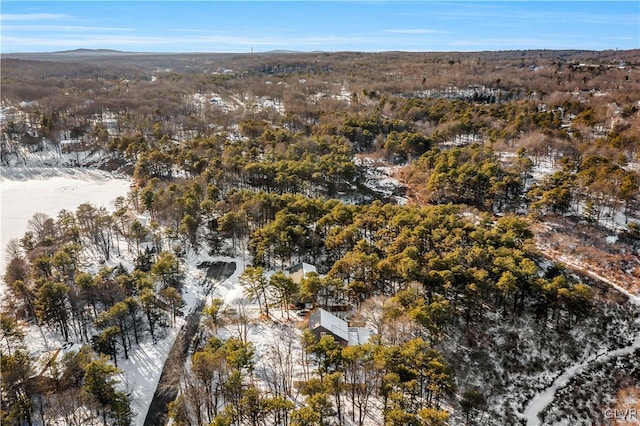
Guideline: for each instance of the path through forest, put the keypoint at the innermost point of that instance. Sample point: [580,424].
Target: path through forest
[167,389]
[539,402]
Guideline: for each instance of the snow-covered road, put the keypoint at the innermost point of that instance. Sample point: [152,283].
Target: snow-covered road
[539,402]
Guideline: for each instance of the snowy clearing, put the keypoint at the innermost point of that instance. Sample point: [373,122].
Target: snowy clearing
[379,177]
[26,191]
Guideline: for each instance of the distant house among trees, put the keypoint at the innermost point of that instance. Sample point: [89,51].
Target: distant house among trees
[32,143]
[68,146]
[298,272]
[323,323]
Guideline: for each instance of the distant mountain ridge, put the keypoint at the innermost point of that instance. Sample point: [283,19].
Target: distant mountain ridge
[92,51]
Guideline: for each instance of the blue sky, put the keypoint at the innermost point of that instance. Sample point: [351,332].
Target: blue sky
[240,26]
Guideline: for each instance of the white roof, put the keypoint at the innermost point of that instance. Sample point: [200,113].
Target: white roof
[306,268]
[330,322]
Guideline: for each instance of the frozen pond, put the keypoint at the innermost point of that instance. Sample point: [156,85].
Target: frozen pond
[25,191]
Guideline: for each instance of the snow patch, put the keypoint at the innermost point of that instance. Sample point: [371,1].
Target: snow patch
[612,239]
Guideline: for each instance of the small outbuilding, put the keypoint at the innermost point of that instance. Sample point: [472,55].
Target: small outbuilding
[298,272]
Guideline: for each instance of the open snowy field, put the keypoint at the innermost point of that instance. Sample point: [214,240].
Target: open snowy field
[25,191]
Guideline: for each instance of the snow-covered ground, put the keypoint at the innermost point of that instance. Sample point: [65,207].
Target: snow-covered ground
[379,177]
[143,368]
[543,399]
[26,191]
[540,401]
[234,102]
[462,140]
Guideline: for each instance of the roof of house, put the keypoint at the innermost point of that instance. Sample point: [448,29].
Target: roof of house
[299,271]
[330,322]
[304,267]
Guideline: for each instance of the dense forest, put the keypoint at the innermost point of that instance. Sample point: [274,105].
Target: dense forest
[267,158]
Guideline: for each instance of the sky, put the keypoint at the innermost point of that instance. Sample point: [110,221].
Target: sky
[369,26]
